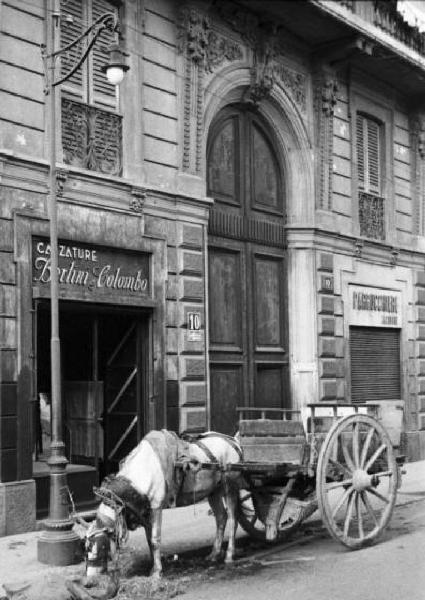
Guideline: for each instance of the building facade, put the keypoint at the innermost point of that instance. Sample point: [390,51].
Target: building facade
[242,222]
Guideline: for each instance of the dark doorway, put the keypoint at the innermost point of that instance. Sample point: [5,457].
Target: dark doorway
[104,363]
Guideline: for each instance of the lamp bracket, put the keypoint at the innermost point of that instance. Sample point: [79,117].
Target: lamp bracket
[106,21]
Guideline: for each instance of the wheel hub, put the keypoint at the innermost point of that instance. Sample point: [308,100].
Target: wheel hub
[361,480]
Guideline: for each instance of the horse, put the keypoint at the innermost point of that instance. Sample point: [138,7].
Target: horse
[164,471]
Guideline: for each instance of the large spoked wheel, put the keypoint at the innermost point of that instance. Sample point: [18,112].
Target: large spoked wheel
[292,516]
[356,480]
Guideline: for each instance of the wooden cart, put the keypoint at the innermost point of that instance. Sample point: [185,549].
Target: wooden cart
[342,464]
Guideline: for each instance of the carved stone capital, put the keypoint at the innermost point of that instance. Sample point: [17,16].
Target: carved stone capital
[193,34]
[138,198]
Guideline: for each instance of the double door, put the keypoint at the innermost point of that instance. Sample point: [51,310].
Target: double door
[247,269]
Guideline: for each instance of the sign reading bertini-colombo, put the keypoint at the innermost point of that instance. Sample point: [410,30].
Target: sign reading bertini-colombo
[374,307]
[90,272]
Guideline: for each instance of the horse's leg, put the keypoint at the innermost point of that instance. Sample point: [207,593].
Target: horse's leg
[156,542]
[148,533]
[231,502]
[216,502]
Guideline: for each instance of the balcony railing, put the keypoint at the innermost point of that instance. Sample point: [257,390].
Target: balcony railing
[384,14]
[371,216]
[91,137]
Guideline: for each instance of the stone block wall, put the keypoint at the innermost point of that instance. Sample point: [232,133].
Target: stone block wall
[186,359]
[330,333]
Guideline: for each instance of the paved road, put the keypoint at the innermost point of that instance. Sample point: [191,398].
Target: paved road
[316,568]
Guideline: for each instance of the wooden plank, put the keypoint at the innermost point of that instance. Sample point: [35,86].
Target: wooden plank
[267,439]
[259,427]
[272,453]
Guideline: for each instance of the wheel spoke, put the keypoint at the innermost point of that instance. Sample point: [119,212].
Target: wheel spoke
[341,501]
[340,466]
[349,514]
[379,495]
[337,484]
[356,453]
[369,507]
[347,456]
[359,516]
[366,446]
[384,474]
[375,456]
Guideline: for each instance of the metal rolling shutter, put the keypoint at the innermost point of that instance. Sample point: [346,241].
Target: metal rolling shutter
[375,364]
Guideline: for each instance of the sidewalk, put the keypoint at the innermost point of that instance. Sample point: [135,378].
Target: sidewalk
[183,529]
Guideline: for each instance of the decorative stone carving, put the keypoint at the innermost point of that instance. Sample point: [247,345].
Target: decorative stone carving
[193,32]
[264,38]
[329,95]
[91,137]
[420,132]
[394,256]
[358,248]
[220,49]
[325,98]
[137,201]
[61,177]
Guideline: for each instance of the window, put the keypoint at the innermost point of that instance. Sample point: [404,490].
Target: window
[89,82]
[369,154]
[91,125]
[369,172]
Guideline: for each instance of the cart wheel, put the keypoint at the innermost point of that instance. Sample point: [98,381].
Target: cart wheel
[290,520]
[356,480]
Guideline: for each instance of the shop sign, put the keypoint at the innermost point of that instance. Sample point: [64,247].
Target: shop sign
[194,333]
[374,307]
[91,271]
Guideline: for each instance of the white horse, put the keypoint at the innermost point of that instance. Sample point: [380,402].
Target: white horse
[149,481]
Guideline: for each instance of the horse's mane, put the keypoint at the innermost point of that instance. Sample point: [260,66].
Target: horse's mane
[136,503]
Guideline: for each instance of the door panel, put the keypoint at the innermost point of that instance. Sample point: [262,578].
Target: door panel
[225,298]
[122,395]
[268,275]
[83,401]
[226,392]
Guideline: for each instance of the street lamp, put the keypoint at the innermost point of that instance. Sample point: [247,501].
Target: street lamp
[58,544]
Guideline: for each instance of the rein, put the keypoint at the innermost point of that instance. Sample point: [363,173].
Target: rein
[119,530]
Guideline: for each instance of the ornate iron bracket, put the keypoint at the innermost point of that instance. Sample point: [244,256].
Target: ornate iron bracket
[61,177]
[106,21]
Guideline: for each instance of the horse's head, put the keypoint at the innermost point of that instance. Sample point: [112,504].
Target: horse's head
[98,546]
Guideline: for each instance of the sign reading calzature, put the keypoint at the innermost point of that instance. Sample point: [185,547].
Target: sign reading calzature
[374,307]
[91,271]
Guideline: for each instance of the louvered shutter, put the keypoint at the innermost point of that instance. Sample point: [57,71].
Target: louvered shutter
[373,158]
[368,154]
[103,91]
[360,152]
[375,364]
[71,29]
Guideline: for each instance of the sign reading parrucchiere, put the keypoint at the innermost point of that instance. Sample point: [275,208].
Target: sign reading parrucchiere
[93,272]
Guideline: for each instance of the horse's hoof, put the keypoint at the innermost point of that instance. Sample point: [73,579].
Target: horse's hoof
[155,575]
[228,560]
[213,557]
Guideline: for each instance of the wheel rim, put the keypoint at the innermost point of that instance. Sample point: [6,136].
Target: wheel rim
[356,480]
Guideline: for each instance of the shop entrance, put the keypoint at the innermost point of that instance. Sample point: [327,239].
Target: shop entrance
[104,359]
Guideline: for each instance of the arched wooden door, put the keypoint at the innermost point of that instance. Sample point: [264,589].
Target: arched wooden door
[247,273]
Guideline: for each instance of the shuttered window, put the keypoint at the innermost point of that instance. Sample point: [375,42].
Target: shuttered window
[369,151]
[375,364]
[88,84]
